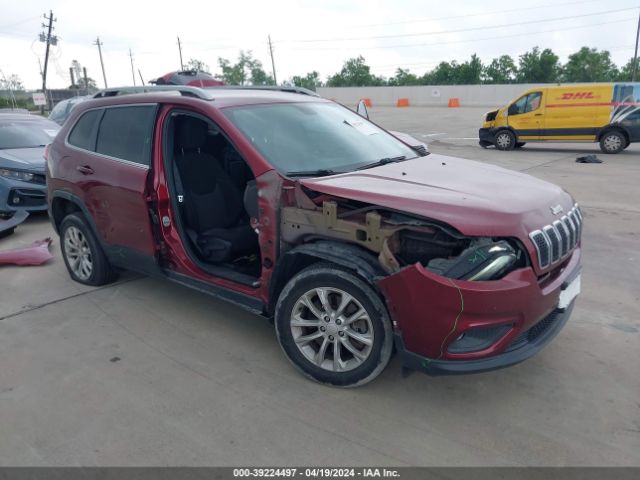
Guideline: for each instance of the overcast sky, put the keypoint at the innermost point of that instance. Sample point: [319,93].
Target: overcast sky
[307,35]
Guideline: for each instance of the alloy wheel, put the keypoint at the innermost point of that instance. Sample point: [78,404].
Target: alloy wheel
[78,253]
[332,329]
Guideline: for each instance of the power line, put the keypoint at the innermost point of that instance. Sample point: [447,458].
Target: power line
[468,40]
[18,23]
[479,14]
[471,29]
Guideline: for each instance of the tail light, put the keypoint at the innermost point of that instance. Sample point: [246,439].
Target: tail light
[46,153]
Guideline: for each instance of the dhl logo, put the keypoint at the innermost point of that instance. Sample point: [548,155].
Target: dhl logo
[576,96]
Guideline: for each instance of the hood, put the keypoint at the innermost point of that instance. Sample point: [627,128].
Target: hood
[473,197]
[23,158]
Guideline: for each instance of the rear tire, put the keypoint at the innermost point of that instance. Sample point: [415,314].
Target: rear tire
[613,141]
[82,254]
[505,140]
[333,326]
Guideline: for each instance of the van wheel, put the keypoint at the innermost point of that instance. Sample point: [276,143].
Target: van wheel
[505,140]
[613,141]
[333,326]
[82,254]
[520,144]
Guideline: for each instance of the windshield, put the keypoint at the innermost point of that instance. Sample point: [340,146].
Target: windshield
[296,137]
[26,134]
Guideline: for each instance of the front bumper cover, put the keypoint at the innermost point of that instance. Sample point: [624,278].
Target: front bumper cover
[430,312]
[557,320]
[486,136]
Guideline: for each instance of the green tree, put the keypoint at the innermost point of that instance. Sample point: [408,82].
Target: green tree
[538,66]
[197,65]
[500,70]
[311,81]
[403,78]
[355,73]
[626,72]
[469,73]
[444,74]
[12,82]
[589,65]
[246,71]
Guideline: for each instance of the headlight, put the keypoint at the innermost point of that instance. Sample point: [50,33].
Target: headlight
[483,260]
[16,175]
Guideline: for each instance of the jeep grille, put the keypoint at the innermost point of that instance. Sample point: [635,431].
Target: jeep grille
[556,241]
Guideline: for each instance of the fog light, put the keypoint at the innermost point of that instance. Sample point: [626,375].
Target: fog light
[476,339]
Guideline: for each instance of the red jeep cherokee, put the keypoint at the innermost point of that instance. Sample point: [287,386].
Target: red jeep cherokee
[300,210]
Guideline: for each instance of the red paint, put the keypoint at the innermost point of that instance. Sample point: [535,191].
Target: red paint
[477,199]
[474,198]
[36,254]
[425,306]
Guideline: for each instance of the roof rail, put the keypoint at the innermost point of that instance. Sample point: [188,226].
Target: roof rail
[184,90]
[277,88]
[204,93]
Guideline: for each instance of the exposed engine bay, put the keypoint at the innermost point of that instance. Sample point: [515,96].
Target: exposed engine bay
[400,240]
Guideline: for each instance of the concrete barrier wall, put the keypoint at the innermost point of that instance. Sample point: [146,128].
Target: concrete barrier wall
[428,95]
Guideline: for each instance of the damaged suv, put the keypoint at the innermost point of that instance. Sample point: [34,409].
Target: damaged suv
[355,243]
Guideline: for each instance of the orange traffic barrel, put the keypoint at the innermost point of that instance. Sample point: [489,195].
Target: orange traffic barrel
[402,102]
[454,102]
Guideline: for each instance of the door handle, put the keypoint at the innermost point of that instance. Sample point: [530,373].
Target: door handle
[85,169]
[538,114]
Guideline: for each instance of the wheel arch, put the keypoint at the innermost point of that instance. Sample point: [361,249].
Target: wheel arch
[355,259]
[62,204]
[611,127]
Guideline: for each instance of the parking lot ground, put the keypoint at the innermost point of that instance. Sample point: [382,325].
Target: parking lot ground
[144,372]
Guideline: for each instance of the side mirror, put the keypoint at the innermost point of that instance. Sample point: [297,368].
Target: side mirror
[362,109]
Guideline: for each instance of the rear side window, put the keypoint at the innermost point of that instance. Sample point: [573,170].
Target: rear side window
[83,133]
[126,133]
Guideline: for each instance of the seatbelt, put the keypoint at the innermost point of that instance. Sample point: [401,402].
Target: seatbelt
[177,180]
[178,183]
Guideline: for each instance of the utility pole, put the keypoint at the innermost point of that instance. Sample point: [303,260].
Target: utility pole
[49,40]
[73,82]
[141,79]
[635,56]
[273,63]
[86,80]
[132,70]
[104,75]
[180,50]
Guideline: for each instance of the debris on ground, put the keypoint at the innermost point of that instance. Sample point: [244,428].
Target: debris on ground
[588,159]
[8,225]
[35,254]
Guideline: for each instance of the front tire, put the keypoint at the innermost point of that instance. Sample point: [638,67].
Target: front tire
[613,141]
[505,140]
[82,254]
[333,326]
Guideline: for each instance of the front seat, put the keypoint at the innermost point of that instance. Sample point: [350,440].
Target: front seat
[212,205]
